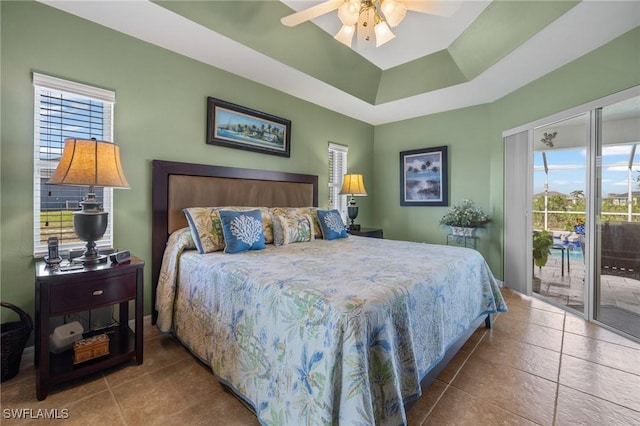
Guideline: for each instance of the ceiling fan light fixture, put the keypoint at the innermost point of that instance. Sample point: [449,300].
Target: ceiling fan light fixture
[345,35]
[394,11]
[383,33]
[348,12]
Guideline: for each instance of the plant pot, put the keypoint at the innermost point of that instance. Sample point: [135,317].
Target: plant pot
[463,232]
[535,284]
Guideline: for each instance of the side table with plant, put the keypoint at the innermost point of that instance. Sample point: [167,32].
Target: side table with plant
[465,218]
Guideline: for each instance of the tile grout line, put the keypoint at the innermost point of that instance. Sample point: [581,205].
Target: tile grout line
[580,390]
[474,349]
[586,336]
[426,418]
[448,385]
[518,369]
[555,403]
[602,365]
[631,345]
[113,396]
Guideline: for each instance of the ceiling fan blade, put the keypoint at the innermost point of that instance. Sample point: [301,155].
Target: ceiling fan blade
[311,13]
[433,7]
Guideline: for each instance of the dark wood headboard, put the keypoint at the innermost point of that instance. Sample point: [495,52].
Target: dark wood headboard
[179,185]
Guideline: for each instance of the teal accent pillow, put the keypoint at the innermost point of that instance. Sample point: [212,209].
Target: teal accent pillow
[331,224]
[242,230]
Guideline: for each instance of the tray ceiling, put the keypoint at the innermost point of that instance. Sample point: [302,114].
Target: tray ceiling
[479,54]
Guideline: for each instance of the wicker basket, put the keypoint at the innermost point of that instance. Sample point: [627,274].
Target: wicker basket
[14,336]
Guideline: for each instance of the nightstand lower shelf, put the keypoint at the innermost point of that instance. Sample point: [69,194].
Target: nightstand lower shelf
[122,347]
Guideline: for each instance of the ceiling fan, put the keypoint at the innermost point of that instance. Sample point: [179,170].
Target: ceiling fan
[369,17]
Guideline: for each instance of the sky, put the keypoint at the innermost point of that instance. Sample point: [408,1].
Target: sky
[567,169]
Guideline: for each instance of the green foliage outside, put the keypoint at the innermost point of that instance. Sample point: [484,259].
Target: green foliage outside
[58,223]
[56,216]
[566,212]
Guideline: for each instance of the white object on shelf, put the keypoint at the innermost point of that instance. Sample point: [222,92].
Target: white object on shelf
[64,336]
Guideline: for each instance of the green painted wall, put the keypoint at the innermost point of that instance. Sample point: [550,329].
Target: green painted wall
[160,113]
[466,133]
[474,137]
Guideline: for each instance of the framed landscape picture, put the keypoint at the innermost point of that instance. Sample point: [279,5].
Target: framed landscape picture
[424,177]
[235,126]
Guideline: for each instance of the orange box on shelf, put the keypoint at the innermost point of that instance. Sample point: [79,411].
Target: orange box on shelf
[90,348]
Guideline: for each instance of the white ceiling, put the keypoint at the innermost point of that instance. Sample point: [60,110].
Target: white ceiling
[582,29]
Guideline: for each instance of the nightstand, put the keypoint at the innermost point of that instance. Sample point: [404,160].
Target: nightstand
[59,293]
[366,232]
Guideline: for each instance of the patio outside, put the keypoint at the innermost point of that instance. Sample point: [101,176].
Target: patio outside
[563,282]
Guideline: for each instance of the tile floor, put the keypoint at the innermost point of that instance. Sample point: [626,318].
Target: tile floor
[538,365]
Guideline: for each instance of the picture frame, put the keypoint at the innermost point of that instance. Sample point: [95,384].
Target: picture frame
[424,177]
[235,126]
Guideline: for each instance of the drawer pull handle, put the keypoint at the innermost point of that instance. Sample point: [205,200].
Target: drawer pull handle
[98,292]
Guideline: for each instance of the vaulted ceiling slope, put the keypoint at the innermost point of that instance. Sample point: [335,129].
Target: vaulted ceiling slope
[482,52]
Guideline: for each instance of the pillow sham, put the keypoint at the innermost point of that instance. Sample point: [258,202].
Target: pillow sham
[242,230]
[292,229]
[297,212]
[206,228]
[331,224]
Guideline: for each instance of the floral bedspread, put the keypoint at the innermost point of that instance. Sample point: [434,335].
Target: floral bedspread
[324,332]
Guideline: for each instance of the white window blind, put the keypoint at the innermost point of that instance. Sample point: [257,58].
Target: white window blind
[65,109]
[337,170]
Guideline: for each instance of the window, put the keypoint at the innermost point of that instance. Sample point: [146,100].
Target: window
[65,109]
[337,170]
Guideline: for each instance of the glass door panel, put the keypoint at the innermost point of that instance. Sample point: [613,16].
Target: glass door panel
[617,275]
[559,196]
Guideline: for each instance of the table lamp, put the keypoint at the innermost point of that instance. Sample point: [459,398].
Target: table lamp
[89,162]
[353,185]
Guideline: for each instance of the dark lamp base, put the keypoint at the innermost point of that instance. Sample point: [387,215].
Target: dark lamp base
[90,226]
[352,212]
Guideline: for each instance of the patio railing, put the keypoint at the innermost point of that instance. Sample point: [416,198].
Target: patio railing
[564,221]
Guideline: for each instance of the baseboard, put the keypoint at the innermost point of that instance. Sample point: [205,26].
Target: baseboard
[27,357]
[29,351]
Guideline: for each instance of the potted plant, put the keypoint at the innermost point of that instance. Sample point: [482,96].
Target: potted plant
[542,243]
[464,218]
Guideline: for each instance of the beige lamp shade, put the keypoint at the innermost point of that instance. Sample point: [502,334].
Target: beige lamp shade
[90,162]
[353,185]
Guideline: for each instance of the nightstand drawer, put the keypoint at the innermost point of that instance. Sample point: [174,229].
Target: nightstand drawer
[92,293]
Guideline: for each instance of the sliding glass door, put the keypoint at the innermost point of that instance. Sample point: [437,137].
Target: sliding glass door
[559,205]
[574,239]
[617,230]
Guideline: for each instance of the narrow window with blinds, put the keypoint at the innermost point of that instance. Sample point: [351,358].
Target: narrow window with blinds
[65,109]
[337,170]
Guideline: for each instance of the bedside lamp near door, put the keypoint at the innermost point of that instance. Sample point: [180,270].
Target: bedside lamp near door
[353,185]
[88,162]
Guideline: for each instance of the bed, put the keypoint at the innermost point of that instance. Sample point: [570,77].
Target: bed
[344,331]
